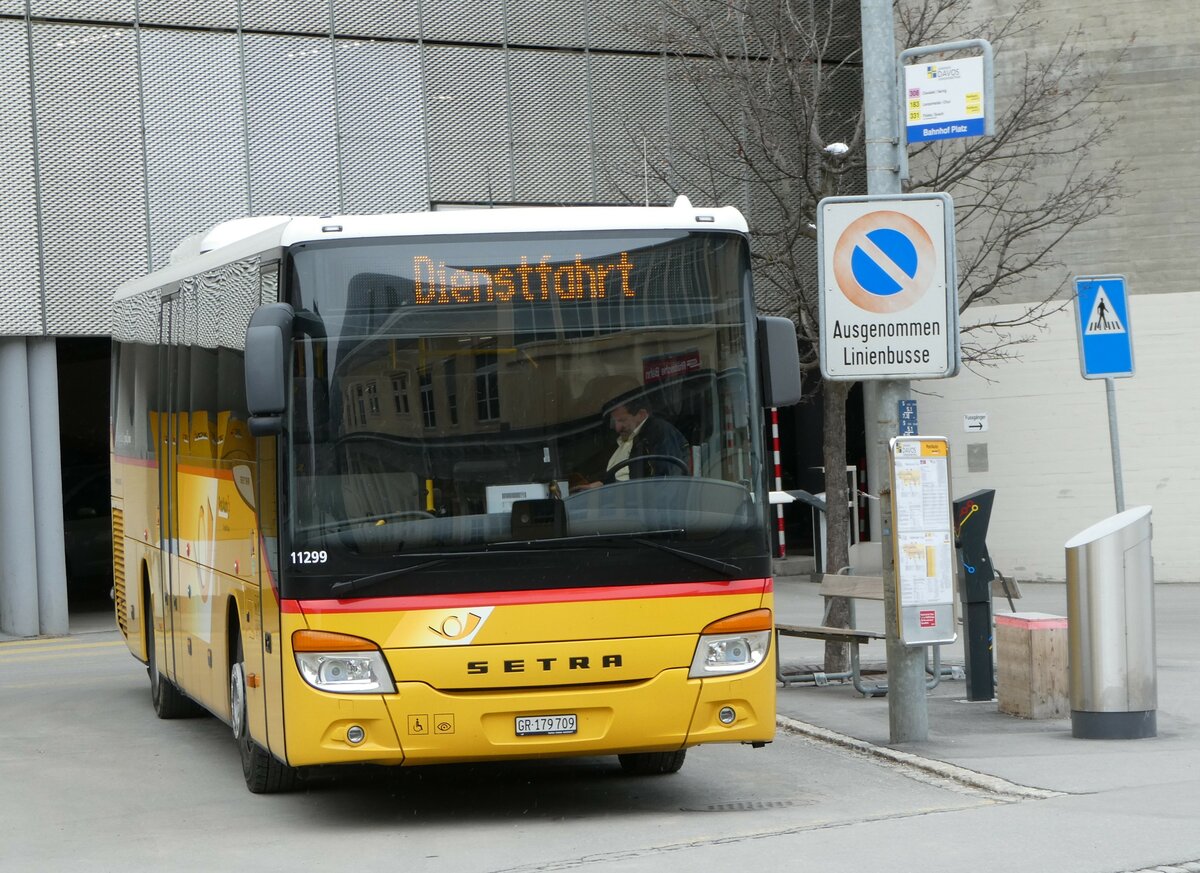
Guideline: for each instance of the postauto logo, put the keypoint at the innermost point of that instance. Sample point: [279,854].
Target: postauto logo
[932,71]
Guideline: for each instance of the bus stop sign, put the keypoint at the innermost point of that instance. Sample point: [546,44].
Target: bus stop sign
[1102,324]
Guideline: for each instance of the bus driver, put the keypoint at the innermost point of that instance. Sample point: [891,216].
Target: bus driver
[647,445]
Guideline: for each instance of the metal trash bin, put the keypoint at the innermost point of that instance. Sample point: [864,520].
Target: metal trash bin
[1110,628]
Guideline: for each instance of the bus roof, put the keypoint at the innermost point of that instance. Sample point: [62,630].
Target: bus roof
[243,237]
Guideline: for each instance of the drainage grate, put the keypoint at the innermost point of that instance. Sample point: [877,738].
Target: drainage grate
[747,806]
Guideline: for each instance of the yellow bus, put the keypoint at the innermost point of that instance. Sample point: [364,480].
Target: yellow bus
[369,505]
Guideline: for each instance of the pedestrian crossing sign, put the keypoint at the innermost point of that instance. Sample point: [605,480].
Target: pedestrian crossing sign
[1102,321]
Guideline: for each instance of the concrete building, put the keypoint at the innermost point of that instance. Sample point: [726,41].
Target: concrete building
[1046,448]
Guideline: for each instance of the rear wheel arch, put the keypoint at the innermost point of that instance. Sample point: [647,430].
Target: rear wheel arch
[233,631]
[147,611]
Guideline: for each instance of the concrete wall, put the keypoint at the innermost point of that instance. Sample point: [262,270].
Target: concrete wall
[1153,235]
[1047,444]
[1047,441]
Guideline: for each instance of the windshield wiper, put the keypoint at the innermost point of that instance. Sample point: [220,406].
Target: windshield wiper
[349,586]
[382,519]
[640,537]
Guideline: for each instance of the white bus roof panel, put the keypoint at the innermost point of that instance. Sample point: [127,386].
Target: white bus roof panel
[516,220]
[239,238]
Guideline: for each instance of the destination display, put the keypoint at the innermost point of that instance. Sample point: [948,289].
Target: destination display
[436,283]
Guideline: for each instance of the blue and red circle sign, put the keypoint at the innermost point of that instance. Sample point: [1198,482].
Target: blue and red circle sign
[883,261]
[888,298]
[893,246]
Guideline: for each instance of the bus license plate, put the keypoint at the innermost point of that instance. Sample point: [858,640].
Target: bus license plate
[544,725]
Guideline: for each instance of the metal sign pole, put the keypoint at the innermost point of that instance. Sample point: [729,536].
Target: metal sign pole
[908,711]
[1110,389]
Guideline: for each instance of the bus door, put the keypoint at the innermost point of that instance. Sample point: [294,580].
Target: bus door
[173,653]
[265,653]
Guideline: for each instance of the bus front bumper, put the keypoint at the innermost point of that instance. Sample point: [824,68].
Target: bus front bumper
[421,725]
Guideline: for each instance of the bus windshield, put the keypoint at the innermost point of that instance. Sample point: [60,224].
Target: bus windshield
[483,413]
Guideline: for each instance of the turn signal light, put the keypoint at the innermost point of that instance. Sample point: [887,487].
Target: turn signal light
[327,641]
[754,620]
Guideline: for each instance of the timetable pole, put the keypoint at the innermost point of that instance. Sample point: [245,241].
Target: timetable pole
[908,711]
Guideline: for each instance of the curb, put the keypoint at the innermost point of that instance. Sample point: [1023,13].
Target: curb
[924,768]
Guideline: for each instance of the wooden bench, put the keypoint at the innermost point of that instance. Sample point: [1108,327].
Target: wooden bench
[862,588]
[855,588]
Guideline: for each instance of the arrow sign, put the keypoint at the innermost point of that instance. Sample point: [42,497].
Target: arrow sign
[975,422]
[1102,322]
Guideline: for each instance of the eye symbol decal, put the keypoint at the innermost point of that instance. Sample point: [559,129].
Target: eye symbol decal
[454,628]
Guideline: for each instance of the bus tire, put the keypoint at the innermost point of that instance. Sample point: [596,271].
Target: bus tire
[652,763]
[168,700]
[264,773]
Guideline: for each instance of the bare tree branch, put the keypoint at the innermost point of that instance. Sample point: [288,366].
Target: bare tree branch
[777,125]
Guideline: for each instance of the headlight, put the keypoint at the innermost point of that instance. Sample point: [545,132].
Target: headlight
[733,645]
[340,663]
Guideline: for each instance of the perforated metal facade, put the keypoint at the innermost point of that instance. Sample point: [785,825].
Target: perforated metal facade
[195,152]
[21,312]
[126,126]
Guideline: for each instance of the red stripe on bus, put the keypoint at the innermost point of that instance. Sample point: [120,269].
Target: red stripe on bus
[514,598]
[205,472]
[205,468]
[131,461]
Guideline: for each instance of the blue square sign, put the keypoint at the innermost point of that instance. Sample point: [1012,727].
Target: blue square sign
[1102,323]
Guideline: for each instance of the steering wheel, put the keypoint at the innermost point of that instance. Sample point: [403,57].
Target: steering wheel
[611,476]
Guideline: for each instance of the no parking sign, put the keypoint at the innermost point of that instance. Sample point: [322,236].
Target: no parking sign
[888,298]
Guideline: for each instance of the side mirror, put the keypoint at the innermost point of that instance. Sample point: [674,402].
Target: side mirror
[778,361]
[268,339]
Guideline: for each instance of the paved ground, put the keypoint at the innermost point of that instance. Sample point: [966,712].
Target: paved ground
[975,735]
[983,742]
[1030,796]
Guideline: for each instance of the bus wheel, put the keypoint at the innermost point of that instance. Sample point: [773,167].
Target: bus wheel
[652,763]
[168,700]
[264,773]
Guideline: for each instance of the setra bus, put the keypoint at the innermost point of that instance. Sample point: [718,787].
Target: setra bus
[365,502]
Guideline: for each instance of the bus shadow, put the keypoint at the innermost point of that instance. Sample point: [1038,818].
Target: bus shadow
[534,789]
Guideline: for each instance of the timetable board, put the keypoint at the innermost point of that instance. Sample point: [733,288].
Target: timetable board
[923,539]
